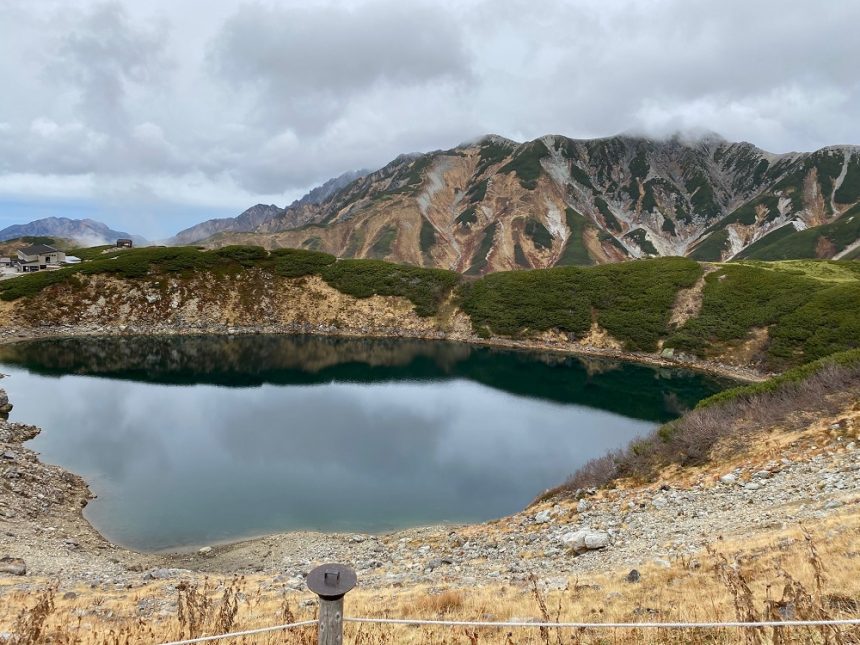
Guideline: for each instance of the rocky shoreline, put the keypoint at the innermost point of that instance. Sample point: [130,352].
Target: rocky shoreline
[570,348]
[44,535]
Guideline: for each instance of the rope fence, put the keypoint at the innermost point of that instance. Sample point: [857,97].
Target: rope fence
[331,582]
[535,625]
[544,625]
[247,632]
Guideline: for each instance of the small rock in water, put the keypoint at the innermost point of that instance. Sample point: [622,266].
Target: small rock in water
[633,576]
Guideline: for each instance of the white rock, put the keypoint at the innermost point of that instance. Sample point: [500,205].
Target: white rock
[583,506]
[206,550]
[729,478]
[543,517]
[597,540]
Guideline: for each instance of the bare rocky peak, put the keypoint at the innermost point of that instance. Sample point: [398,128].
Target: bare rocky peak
[493,204]
[87,232]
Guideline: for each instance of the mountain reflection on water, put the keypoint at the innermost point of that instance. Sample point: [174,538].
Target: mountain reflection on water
[188,440]
[638,391]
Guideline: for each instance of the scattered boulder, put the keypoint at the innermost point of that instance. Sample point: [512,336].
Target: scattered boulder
[583,505]
[597,540]
[586,540]
[729,478]
[5,406]
[633,576]
[206,550]
[543,517]
[13,566]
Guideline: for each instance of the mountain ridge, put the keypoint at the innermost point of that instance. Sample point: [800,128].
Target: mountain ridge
[87,232]
[496,204]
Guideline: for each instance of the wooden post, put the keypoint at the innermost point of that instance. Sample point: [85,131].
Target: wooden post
[331,582]
[331,622]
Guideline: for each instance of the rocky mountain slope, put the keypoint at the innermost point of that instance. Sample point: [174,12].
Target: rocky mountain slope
[495,205]
[258,216]
[86,232]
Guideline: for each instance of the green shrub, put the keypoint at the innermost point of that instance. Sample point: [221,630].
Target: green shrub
[467,217]
[384,241]
[427,236]
[631,300]
[294,263]
[520,256]
[807,317]
[426,288]
[702,197]
[575,251]
[611,221]
[712,247]
[479,258]
[641,238]
[477,192]
[849,191]
[836,235]
[492,152]
[526,164]
[538,233]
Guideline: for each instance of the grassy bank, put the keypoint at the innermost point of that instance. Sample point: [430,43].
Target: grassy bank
[730,418]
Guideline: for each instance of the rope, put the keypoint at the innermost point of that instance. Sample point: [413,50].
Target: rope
[475,623]
[249,632]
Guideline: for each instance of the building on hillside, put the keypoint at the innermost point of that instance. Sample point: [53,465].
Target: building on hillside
[5,262]
[39,257]
[124,243]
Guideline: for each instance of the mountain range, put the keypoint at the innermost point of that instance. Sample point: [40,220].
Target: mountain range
[495,204]
[86,232]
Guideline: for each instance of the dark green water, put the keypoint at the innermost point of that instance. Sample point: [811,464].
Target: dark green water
[193,440]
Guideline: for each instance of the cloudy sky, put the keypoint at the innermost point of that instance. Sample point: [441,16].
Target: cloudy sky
[152,116]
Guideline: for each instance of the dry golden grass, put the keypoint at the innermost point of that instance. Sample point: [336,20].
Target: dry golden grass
[784,575]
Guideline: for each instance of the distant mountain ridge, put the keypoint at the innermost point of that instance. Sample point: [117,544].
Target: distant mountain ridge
[87,232]
[495,204]
[257,216]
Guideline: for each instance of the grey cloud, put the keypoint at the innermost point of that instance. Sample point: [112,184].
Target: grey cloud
[257,102]
[101,55]
[307,63]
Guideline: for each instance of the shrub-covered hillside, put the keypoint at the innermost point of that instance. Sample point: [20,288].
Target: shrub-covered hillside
[631,300]
[809,309]
[796,311]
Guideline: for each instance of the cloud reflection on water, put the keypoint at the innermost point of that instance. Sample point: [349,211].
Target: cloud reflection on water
[190,464]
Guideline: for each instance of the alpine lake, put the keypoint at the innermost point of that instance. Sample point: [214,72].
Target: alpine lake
[195,440]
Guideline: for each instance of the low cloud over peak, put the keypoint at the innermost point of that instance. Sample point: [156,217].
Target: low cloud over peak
[241,103]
